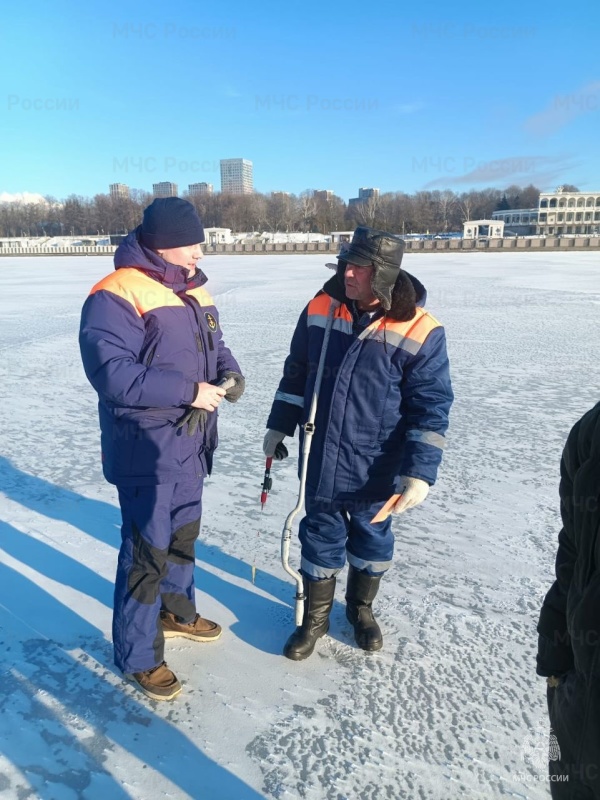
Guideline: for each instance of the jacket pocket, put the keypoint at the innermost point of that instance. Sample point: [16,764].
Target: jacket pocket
[362,453]
[373,466]
[145,446]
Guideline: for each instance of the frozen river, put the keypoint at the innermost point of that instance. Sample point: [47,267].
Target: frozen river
[450,708]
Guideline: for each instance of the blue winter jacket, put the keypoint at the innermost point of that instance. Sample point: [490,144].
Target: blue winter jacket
[384,400]
[148,335]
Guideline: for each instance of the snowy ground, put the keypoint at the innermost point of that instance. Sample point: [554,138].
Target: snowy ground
[449,708]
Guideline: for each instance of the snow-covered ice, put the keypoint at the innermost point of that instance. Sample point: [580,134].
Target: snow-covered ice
[450,708]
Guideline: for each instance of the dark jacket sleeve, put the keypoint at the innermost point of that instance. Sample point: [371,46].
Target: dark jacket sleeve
[111,337]
[426,400]
[555,654]
[288,406]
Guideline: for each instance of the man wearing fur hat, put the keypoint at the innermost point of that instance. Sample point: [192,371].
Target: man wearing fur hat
[153,349]
[379,429]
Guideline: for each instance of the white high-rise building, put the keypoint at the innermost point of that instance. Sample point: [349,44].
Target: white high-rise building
[164,189]
[366,193]
[236,176]
[195,189]
[322,194]
[120,190]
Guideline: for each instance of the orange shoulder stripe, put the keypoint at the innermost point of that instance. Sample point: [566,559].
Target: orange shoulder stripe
[202,296]
[320,306]
[418,328]
[141,292]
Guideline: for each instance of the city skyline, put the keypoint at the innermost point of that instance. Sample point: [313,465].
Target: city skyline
[160,94]
[170,189]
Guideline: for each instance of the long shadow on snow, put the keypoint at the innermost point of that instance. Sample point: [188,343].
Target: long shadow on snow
[262,623]
[115,715]
[102,521]
[55,564]
[257,616]
[94,517]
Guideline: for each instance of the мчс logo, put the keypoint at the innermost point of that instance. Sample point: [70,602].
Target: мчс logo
[537,751]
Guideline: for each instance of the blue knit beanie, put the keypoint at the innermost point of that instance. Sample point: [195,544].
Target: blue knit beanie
[170,222]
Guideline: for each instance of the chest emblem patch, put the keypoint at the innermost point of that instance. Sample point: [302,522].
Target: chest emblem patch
[210,321]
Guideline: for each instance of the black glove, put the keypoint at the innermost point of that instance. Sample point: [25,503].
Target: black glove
[281,452]
[195,418]
[234,385]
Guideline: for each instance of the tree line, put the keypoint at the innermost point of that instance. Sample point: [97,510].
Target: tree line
[397,212]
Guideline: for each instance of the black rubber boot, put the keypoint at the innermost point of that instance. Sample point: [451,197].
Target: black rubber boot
[318,599]
[361,590]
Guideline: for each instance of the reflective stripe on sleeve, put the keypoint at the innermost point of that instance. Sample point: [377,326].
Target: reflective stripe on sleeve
[338,324]
[427,437]
[293,399]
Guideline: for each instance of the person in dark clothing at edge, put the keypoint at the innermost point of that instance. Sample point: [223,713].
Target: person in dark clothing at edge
[153,349]
[569,625]
[379,429]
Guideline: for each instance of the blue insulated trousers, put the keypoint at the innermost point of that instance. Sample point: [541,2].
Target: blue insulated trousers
[155,569]
[332,530]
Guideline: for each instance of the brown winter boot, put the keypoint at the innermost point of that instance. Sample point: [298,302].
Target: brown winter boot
[361,590]
[159,683]
[200,630]
[318,600]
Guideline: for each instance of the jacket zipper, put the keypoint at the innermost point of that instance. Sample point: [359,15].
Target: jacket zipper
[192,302]
[150,356]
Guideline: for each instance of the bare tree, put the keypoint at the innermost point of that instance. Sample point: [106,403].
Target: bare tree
[466,203]
[424,211]
[329,213]
[368,209]
[446,201]
[307,207]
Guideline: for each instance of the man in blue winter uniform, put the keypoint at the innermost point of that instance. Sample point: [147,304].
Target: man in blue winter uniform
[379,429]
[152,348]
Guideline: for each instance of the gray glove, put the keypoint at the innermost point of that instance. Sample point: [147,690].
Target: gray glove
[195,418]
[234,385]
[273,446]
[412,492]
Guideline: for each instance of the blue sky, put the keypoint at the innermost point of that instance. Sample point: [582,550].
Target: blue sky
[319,96]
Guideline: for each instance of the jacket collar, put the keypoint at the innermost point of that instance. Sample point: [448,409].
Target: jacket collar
[131,253]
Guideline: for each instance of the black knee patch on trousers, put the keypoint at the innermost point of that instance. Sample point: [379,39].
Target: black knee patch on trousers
[148,570]
[181,550]
[178,604]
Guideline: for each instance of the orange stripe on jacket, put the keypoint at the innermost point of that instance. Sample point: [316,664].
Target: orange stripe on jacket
[201,296]
[145,294]
[320,306]
[418,328]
